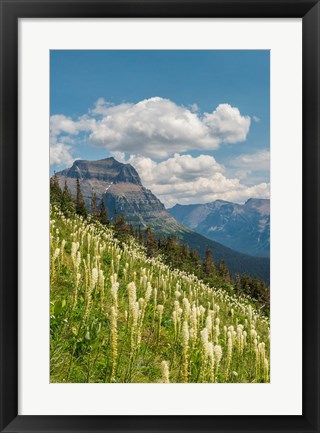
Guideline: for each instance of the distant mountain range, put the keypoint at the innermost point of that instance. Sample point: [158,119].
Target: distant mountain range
[244,228]
[122,191]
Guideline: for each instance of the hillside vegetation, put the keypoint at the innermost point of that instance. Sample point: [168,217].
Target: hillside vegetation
[117,315]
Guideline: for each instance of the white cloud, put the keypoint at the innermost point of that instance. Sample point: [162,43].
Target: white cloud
[256,119]
[253,162]
[60,154]
[119,156]
[61,124]
[100,107]
[250,168]
[62,137]
[194,108]
[177,168]
[185,179]
[155,127]
[227,123]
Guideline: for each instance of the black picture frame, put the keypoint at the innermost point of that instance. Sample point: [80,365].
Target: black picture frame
[11,11]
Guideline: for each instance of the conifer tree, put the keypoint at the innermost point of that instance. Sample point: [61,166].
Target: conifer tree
[161,241]
[130,229]
[208,264]
[223,271]
[94,207]
[185,251]
[140,235]
[151,242]
[120,225]
[237,284]
[55,190]
[80,203]
[67,203]
[103,213]
[196,262]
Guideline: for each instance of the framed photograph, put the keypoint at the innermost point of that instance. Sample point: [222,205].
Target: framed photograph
[159,216]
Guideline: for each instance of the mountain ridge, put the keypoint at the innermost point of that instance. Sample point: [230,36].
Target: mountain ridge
[242,227]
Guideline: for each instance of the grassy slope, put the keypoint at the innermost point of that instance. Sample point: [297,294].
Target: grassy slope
[101,331]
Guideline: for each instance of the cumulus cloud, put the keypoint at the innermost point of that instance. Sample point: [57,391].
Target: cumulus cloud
[62,137]
[254,161]
[227,123]
[251,169]
[194,108]
[178,168]
[61,124]
[155,127]
[60,154]
[186,179]
[100,107]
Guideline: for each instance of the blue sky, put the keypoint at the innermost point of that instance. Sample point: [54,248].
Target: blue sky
[192,117]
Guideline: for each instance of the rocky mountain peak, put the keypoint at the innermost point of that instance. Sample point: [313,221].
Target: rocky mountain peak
[261,205]
[242,227]
[120,187]
[106,170]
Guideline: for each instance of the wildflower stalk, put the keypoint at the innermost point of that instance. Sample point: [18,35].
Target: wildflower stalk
[165,372]
[114,343]
[185,351]
[160,313]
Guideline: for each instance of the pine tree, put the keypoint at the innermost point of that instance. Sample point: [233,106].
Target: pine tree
[120,226]
[94,207]
[196,262]
[115,215]
[67,203]
[161,241]
[130,229]
[55,190]
[208,264]
[238,285]
[103,213]
[151,242]
[171,250]
[223,271]
[80,203]
[140,235]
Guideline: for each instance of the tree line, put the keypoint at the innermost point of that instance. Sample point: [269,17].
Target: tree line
[173,252]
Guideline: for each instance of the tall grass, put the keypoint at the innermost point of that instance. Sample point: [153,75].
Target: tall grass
[118,316]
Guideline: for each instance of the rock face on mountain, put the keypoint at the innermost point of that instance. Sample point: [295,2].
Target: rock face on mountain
[121,188]
[106,170]
[122,191]
[244,228]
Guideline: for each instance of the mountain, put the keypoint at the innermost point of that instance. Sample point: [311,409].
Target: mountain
[123,192]
[245,228]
